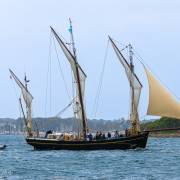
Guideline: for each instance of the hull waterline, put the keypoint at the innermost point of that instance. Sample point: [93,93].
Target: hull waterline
[131,142]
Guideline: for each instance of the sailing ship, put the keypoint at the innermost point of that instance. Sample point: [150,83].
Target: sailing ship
[161,103]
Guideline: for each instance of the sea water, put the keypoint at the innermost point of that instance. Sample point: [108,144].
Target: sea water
[160,160]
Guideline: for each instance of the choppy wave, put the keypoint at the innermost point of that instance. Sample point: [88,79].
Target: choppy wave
[160,160]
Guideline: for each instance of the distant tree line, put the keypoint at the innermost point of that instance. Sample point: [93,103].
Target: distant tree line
[73,125]
[161,123]
[62,125]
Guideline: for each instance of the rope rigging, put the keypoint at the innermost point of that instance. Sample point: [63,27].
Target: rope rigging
[63,77]
[47,76]
[141,60]
[52,41]
[126,47]
[97,97]
[64,109]
[60,68]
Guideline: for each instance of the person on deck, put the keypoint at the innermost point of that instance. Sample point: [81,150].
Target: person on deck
[126,132]
[103,136]
[97,135]
[109,135]
[116,135]
[100,135]
[47,133]
[90,137]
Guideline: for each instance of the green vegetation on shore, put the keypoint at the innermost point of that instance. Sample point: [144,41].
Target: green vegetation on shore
[163,123]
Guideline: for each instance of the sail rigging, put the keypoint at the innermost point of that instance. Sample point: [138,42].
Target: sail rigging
[28,101]
[80,78]
[65,108]
[161,101]
[135,85]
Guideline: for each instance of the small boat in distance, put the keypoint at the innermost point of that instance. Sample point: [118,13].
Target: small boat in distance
[2,146]
[161,103]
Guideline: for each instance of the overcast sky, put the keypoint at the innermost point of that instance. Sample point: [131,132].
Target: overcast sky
[152,26]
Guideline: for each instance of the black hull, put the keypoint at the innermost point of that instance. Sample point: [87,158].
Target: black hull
[131,142]
[2,147]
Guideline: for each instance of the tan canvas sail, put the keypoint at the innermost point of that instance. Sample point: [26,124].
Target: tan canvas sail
[135,85]
[161,101]
[27,99]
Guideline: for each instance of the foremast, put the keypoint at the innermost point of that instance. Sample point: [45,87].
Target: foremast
[27,97]
[28,110]
[134,116]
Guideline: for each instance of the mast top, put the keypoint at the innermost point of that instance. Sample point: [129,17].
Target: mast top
[70,27]
[131,57]
[26,81]
[72,39]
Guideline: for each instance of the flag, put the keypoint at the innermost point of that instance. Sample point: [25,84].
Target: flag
[70,29]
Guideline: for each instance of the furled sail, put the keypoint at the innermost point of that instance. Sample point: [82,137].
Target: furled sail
[82,75]
[27,99]
[135,85]
[161,101]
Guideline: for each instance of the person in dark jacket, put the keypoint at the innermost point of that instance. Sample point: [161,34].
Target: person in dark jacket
[47,133]
[90,137]
[100,135]
[126,132]
[109,135]
[103,136]
[97,135]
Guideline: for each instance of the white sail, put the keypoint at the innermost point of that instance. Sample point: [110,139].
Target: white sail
[82,75]
[27,99]
[135,84]
[161,101]
[26,94]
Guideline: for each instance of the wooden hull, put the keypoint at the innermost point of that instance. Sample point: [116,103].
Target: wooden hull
[131,142]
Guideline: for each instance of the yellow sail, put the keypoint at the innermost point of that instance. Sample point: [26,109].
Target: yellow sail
[161,101]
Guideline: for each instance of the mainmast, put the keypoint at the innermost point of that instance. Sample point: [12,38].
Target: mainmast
[131,58]
[135,86]
[84,121]
[134,111]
